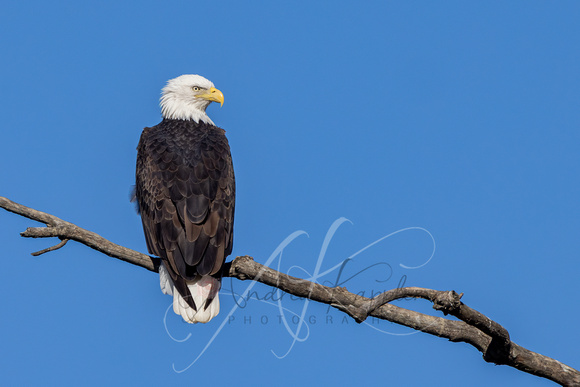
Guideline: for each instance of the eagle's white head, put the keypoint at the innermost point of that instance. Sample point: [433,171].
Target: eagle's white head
[186,98]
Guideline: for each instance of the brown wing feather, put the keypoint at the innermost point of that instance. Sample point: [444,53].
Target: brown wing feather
[185,189]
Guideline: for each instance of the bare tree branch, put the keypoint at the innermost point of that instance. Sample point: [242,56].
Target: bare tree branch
[56,227]
[486,335]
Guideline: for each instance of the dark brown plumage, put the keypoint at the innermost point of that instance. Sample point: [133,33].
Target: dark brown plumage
[185,191]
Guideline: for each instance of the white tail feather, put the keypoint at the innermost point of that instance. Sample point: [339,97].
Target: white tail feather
[202,289]
[165,280]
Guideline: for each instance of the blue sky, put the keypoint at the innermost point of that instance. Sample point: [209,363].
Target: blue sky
[456,119]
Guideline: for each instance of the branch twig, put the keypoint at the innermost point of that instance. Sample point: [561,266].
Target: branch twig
[51,248]
[486,335]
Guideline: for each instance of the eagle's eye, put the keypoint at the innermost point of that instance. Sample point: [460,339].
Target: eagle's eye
[196,88]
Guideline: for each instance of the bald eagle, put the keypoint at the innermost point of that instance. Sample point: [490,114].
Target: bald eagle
[185,192]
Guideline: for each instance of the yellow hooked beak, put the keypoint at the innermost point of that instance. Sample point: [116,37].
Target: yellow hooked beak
[214,95]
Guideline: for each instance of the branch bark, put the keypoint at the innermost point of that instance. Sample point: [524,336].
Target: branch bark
[474,328]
